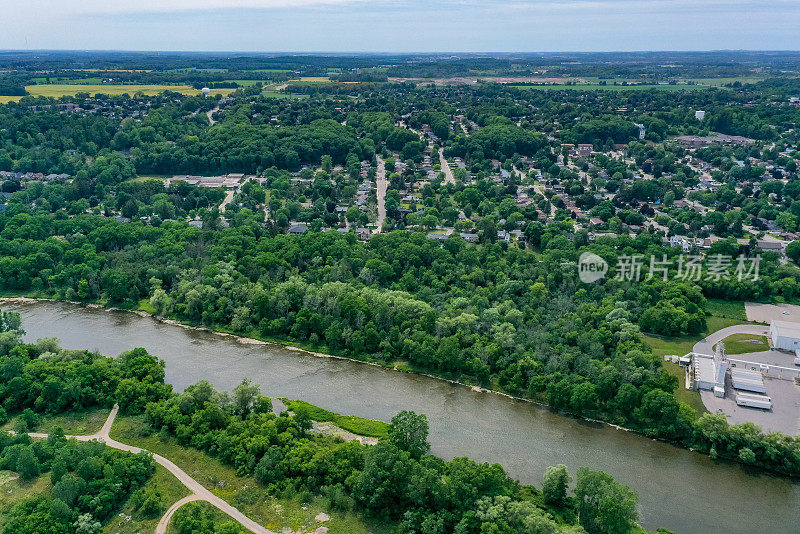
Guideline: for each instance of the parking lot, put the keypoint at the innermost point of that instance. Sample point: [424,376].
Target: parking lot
[766,313]
[785,413]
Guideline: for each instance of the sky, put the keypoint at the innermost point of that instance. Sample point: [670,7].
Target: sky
[400,25]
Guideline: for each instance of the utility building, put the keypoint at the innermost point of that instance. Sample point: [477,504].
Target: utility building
[785,335]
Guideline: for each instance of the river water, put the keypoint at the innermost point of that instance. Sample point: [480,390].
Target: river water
[679,490]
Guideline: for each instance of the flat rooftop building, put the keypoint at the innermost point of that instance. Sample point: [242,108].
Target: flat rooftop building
[785,335]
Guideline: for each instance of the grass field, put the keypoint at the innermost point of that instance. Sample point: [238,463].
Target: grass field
[275,513]
[351,423]
[744,343]
[278,94]
[77,423]
[14,490]
[726,309]
[679,346]
[611,87]
[686,396]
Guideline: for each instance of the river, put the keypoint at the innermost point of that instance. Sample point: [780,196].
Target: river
[679,490]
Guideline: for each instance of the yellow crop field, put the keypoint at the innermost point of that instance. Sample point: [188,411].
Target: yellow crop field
[7,99]
[57,90]
[315,79]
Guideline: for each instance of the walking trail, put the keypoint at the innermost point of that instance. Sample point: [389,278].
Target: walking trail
[199,492]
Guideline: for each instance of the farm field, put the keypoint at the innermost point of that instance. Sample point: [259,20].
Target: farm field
[58,90]
[610,87]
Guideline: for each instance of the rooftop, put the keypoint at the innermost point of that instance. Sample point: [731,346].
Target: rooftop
[786,328]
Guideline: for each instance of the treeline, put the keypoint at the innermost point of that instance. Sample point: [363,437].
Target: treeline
[396,480]
[492,314]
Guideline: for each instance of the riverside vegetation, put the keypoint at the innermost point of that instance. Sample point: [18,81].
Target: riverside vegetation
[395,482]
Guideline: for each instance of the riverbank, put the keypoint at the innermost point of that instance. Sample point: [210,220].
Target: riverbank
[676,486]
[260,340]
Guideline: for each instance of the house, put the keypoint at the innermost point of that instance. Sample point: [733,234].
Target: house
[502,235]
[438,237]
[595,221]
[678,241]
[297,229]
[770,246]
[469,237]
[585,149]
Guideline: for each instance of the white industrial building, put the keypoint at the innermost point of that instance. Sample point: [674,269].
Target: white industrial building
[785,335]
[708,373]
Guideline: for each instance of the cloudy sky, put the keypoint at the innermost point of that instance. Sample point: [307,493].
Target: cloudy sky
[401,25]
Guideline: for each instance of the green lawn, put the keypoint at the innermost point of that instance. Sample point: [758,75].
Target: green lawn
[726,308]
[744,343]
[13,490]
[77,423]
[687,396]
[351,423]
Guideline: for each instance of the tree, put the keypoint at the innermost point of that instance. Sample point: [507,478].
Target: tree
[604,506]
[244,395]
[554,485]
[27,464]
[409,432]
[793,251]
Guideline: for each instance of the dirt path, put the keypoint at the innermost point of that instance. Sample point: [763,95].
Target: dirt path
[210,115]
[383,185]
[448,172]
[199,492]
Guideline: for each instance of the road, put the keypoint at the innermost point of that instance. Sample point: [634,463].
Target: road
[448,172]
[382,185]
[705,345]
[199,492]
[210,115]
[538,188]
[228,199]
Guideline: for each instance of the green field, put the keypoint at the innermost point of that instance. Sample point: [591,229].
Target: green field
[686,396]
[278,94]
[351,423]
[14,490]
[726,309]
[611,87]
[744,343]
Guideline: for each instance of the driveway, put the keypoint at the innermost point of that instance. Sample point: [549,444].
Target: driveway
[705,345]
